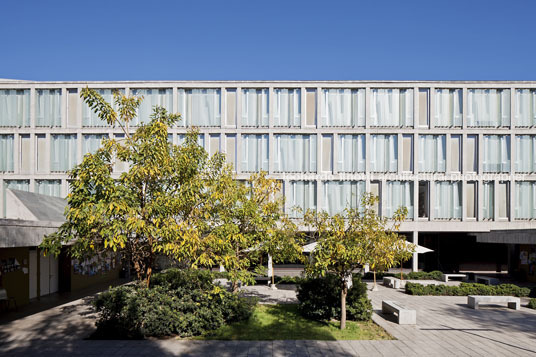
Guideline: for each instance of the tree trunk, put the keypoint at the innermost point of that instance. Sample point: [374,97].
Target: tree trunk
[149,273]
[344,292]
[234,287]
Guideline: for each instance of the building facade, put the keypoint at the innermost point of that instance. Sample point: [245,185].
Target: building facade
[459,155]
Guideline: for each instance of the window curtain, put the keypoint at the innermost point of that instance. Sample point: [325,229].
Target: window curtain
[351,153]
[383,153]
[254,153]
[448,107]
[343,107]
[152,98]
[399,194]
[200,107]
[391,107]
[339,195]
[15,107]
[48,108]
[300,194]
[525,111]
[22,185]
[295,153]
[488,107]
[525,153]
[496,150]
[92,143]
[48,187]
[6,153]
[432,153]
[525,200]
[63,153]
[488,200]
[89,117]
[448,197]
[255,107]
[287,111]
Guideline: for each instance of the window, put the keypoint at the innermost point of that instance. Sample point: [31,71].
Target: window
[470,154]
[63,153]
[384,153]
[231,108]
[21,185]
[25,154]
[295,153]
[254,153]
[310,110]
[375,189]
[339,195]
[48,187]
[42,153]
[432,153]
[525,153]
[120,166]
[300,194]
[407,153]
[448,200]
[72,108]
[503,202]
[230,149]
[14,107]
[525,200]
[424,108]
[488,200]
[6,153]
[424,199]
[455,153]
[399,194]
[470,199]
[214,144]
[151,99]
[496,153]
[48,107]
[448,107]
[89,117]
[488,107]
[287,107]
[343,107]
[525,114]
[351,155]
[92,143]
[327,153]
[200,107]
[255,107]
[391,107]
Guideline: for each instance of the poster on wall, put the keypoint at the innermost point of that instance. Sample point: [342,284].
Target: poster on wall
[9,265]
[101,264]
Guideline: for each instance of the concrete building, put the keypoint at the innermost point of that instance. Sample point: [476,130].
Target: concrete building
[459,155]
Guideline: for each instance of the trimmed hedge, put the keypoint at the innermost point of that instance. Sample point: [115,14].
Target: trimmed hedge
[417,275]
[465,289]
[320,299]
[178,302]
[532,304]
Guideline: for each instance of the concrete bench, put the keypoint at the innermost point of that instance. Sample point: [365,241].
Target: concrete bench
[475,300]
[447,277]
[404,316]
[486,280]
[392,282]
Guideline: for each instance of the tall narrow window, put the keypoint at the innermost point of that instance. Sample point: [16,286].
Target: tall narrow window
[295,153]
[255,107]
[151,99]
[48,108]
[287,107]
[383,153]
[254,153]
[455,153]
[488,107]
[351,155]
[448,200]
[525,109]
[376,190]
[63,153]
[230,119]
[42,153]
[26,154]
[432,153]
[448,107]
[470,199]
[525,205]
[48,187]
[214,145]
[200,107]
[14,107]
[503,199]
[92,142]
[407,153]
[488,200]
[424,108]
[399,194]
[424,199]
[339,195]
[470,154]
[496,152]
[230,149]
[327,153]
[343,107]
[302,195]
[525,153]
[310,110]
[391,107]
[6,153]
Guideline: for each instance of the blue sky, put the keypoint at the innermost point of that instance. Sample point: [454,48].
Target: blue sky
[268,40]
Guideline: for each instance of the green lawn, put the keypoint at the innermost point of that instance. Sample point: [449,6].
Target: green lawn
[283,322]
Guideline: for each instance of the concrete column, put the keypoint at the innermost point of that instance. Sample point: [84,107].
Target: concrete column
[270,266]
[415,265]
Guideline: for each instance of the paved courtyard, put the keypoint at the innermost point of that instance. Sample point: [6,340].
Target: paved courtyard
[445,327]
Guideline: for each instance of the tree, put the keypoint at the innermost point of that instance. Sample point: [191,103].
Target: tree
[351,239]
[158,206]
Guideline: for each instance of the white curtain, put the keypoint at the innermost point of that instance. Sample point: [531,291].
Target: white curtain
[525,153]
[399,194]
[152,98]
[448,107]
[351,153]
[200,107]
[48,187]
[300,194]
[488,107]
[343,107]
[255,107]
[287,111]
[496,150]
[6,153]
[525,109]
[339,195]
[432,153]
[22,185]
[525,200]
[48,108]
[15,107]
[254,153]
[63,153]
[391,107]
[383,153]
[92,143]
[488,200]
[448,197]
[89,117]
[295,153]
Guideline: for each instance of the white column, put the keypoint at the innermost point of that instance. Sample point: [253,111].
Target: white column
[415,265]
[270,269]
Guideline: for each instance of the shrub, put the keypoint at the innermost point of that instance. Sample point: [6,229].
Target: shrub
[422,275]
[183,303]
[320,299]
[465,289]
[532,304]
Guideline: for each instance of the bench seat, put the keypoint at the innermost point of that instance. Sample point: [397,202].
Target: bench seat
[404,315]
[392,282]
[475,300]
[447,277]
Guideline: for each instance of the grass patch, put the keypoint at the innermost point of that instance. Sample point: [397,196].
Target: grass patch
[283,322]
